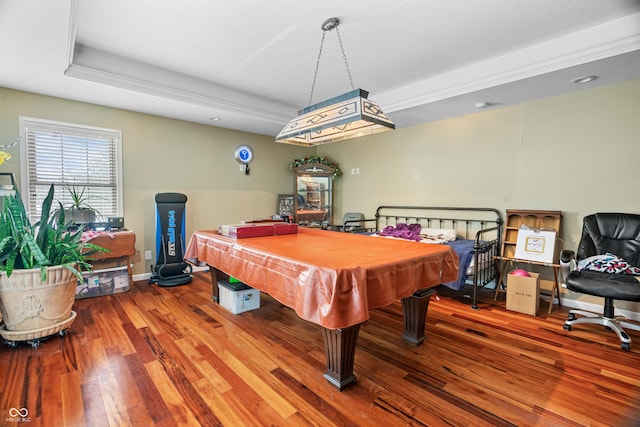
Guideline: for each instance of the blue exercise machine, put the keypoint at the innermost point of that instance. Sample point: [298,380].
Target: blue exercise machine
[170,268]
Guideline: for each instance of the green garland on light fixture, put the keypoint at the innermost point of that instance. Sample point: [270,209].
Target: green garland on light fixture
[316,159]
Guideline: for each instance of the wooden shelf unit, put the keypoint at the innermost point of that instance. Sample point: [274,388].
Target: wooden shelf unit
[538,219]
[315,192]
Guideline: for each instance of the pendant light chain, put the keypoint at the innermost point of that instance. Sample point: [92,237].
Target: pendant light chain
[348,115]
[315,75]
[325,28]
[344,55]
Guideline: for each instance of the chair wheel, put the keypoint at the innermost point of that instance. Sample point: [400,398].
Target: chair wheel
[571,316]
[566,327]
[625,346]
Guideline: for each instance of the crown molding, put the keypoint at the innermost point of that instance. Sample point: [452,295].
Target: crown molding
[599,42]
[105,68]
[196,94]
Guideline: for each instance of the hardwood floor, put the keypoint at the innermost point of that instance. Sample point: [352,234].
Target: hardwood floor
[170,356]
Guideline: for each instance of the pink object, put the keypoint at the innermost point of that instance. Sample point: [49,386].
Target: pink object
[90,234]
[520,272]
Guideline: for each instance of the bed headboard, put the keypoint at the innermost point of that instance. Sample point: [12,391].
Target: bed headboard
[483,226]
[469,223]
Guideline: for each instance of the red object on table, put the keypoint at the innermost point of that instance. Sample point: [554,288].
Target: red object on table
[259,229]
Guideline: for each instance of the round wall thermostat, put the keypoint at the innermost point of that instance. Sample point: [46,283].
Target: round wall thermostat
[243,154]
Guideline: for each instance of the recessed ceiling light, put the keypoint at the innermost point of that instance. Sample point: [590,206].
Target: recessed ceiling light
[215,119]
[483,105]
[585,79]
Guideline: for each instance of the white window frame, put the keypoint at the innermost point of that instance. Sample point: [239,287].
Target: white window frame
[27,123]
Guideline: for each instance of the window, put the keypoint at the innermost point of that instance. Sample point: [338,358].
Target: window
[68,154]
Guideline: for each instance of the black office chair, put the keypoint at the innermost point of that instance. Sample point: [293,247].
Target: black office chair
[608,257]
[351,221]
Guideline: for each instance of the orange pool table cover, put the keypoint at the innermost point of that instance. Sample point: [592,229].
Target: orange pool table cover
[328,278]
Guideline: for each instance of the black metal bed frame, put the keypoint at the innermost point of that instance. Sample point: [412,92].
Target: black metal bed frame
[482,225]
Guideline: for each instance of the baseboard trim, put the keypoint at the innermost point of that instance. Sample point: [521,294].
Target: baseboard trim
[147,276]
[595,308]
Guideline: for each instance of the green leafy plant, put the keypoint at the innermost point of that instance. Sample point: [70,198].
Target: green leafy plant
[79,210]
[316,159]
[46,243]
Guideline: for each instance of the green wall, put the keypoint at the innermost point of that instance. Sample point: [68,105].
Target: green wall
[165,155]
[577,153]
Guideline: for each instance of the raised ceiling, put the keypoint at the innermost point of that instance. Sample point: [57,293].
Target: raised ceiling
[250,63]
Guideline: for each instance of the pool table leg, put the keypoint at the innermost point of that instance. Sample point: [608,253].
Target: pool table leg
[216,275]
[340,344]
[414,309]
[340,348]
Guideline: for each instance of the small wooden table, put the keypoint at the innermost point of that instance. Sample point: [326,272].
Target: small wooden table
[121,245]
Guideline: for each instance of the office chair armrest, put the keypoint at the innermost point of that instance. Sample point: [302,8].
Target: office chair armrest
[567,264]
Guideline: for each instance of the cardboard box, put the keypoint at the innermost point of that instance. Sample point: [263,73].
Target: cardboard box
[523,293]
[238,297]
[103,282]
[242,231]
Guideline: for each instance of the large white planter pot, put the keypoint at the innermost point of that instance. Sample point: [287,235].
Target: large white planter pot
[34,309]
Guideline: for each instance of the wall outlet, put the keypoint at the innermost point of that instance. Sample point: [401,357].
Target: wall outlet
[147,255]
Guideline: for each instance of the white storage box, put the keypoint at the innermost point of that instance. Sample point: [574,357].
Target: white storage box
[238,297]
[103,282]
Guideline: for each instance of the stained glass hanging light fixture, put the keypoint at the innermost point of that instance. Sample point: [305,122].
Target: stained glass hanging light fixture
[345,116]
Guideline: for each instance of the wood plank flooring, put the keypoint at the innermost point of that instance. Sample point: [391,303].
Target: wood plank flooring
[170,356]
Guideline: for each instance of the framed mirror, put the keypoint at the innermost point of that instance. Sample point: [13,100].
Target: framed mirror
[313,203]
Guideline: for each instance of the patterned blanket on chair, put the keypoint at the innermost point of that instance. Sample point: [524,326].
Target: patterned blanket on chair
[608,263]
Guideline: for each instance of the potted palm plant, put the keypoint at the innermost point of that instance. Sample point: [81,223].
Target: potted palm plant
[79,210]
[40,264]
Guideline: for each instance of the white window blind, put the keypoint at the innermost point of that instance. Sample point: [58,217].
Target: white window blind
[65,154]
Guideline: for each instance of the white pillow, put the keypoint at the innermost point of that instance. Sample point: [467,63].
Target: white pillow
[438,234]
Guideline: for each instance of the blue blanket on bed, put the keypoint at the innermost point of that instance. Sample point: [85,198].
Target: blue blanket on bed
[464,249]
